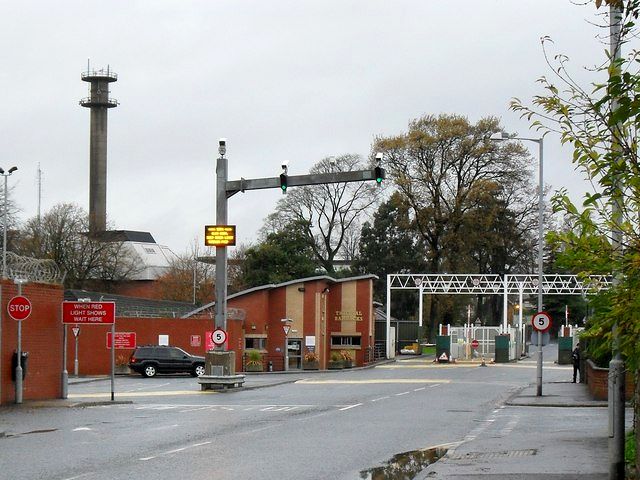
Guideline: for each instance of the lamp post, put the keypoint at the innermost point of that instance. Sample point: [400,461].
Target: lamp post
[4,219]
[4,255]
[504,137]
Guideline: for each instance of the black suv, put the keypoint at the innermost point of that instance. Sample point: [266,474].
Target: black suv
[152,359]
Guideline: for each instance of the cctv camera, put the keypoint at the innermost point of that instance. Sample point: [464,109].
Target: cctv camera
[378,157]
[285,164]
[222,142]
[332,160]
[222,146]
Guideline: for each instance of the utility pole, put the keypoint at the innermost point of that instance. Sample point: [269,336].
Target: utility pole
[616,366]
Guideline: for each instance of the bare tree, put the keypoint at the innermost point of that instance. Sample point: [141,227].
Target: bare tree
[61,235]
[330,212]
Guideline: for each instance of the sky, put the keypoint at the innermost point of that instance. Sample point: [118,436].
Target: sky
[281,80]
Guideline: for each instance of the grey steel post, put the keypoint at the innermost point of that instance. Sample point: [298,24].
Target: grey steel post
[540,258]
[221,252]
[64,378]
[75,359]
[113,360]
[19,362]
[616,366]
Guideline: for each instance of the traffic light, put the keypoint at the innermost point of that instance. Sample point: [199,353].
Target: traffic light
[380,174]
[283,182]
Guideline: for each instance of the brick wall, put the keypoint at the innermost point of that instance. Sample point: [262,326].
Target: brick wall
[41,337]
[598,382]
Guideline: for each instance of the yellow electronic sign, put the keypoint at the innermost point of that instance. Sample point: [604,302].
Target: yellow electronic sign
[220,235]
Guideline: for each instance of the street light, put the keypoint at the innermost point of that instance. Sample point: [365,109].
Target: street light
[4,256]
[4,219]
[505,137]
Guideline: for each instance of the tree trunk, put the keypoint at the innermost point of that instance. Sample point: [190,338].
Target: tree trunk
[636,412]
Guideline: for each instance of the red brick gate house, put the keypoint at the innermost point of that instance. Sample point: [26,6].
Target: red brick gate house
[324,314]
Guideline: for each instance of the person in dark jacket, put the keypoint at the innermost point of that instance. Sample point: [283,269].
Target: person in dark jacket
[575,357]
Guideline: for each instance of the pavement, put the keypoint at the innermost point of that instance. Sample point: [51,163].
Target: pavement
[562,434]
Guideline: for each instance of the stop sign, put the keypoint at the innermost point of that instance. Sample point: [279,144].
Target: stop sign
[475,343]
[19,308]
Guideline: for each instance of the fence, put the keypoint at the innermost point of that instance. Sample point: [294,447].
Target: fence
[462,338]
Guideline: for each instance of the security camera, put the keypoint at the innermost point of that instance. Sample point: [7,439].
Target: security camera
[285,164]
[222,142]
[378,157]
[222,146]
[332,160]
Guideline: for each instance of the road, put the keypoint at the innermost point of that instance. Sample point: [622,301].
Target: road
[326,425]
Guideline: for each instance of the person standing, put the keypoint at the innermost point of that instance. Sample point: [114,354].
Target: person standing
[575,357]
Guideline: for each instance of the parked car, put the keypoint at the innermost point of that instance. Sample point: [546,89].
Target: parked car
[152,359]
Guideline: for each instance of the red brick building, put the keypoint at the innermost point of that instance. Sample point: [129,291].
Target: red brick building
[325,314]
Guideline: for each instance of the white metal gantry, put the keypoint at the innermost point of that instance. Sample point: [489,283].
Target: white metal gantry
[479,284]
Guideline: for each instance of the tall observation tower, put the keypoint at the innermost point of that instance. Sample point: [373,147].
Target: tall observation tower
[99,102]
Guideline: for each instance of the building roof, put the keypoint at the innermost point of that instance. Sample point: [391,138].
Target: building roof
[272,286]
[126,236]
[134,306]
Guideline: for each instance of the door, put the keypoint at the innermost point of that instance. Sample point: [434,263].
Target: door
[294,348]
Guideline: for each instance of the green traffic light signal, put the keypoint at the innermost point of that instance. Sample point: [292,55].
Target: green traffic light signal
[379,174]
[283,182]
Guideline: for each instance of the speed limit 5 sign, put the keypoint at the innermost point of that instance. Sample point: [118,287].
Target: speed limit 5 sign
[541,321]
[219,337]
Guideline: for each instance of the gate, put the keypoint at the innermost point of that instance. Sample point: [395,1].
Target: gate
[461,338]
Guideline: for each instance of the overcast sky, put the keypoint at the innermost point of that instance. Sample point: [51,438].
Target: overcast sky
[282,80]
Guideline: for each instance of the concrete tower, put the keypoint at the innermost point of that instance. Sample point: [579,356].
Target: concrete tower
[99,102]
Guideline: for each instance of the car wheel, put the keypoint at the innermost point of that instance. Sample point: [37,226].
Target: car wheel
[149,371]
[198,370]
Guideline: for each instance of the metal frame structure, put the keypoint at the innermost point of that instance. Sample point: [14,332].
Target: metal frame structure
[481,284]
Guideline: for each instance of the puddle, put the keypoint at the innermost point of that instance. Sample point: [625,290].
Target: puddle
[404,466]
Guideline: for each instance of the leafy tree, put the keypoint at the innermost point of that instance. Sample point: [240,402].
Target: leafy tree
[328,213]
[440,166]
[600,123]
[282,256]
[61,235]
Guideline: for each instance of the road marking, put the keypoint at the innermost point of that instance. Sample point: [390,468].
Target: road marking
[182,449]
[364,382]
[434,366]
[81,429]
[350,406]
[422,388]
[143,394]
[436,385]
[380,398]
[403,393]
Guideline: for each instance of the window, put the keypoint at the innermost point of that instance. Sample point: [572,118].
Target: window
[345,341]
[253,343]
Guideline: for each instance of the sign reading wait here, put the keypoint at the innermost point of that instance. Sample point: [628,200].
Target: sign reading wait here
[89,313]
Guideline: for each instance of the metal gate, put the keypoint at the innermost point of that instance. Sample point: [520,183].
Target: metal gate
[462,338]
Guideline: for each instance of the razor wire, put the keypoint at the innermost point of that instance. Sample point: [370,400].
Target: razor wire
[37,270]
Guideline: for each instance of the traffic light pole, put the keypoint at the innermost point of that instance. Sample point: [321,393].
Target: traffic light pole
[226,189]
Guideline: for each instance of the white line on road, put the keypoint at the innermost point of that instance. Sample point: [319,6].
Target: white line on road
[80,429]
[436,385]
[380,398]
[350,406]
[403,393]
[144,459]
[418,389]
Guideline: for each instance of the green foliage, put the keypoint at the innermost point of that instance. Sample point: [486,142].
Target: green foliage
[282,256]
[254,358]
[630,449]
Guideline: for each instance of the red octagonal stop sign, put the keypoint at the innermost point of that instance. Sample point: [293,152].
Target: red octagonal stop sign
[19,308]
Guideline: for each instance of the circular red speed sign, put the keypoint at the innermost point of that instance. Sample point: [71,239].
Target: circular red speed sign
[19,308]
[541,321]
